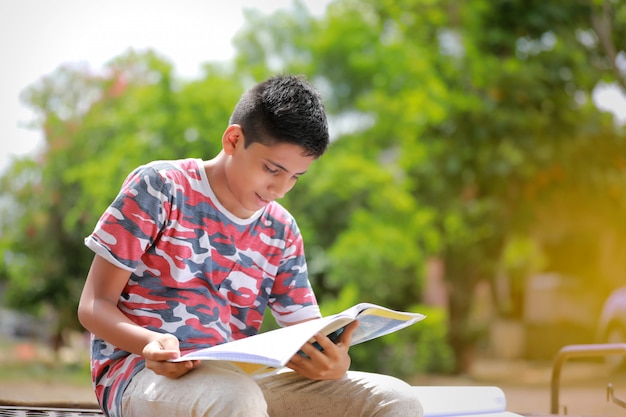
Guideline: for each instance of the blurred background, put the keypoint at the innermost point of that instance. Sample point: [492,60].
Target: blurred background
[476,174]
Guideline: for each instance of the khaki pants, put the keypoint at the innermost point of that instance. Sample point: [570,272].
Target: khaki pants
[218,389]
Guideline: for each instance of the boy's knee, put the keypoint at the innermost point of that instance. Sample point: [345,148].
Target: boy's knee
[394,397]
[204,392]
[406,403]
[238,397]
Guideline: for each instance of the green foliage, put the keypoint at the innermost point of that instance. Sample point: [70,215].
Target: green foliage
[97,129]
[478,112]
[361,224]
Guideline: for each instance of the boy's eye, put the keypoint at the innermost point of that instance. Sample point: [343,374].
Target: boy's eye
[270,170]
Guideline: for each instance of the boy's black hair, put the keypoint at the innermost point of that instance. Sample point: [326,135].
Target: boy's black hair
[284,108]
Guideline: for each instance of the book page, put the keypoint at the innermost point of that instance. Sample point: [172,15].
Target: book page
[273,348]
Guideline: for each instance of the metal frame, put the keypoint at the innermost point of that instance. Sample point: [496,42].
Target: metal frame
[582,351]
[26,411]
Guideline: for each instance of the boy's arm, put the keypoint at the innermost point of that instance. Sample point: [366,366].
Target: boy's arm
[98,313]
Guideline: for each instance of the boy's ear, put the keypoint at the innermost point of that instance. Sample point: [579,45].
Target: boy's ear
[232,137]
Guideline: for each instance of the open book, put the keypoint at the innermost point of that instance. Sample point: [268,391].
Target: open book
[273,349]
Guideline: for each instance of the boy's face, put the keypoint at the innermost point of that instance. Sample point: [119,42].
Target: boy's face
[259,174]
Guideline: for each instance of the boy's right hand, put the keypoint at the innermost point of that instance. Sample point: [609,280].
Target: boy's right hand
[159,351]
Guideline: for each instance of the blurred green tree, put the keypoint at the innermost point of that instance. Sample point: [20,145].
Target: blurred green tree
[97,128]
[480,112]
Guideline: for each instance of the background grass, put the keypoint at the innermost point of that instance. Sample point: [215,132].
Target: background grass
[24,361]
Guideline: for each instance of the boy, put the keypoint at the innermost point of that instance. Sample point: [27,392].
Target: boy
[190,254]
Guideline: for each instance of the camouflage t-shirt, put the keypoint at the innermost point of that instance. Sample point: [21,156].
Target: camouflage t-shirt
[196,271]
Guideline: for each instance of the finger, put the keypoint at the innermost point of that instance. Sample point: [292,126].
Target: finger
[327,345]
[163,355]
[303,367]
[171,369]
[310,352]
[169,342]
[294,367]
[346,336]
[296,362]
[157,354]
[155,351]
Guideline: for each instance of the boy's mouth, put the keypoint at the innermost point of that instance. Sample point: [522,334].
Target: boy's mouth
[262,199]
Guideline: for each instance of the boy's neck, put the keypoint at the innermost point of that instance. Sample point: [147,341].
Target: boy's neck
[216,174]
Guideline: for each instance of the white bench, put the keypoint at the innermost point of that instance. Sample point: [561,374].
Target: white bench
[460,401]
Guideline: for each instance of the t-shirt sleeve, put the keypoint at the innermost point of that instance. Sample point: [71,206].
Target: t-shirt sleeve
[293,299]
[133,221]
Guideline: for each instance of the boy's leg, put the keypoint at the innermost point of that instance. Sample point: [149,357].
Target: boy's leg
[357,394]
[213,389]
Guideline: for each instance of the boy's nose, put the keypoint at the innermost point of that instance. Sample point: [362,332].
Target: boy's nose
[279,187]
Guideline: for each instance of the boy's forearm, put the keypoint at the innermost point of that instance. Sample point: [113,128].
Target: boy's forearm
[107,322]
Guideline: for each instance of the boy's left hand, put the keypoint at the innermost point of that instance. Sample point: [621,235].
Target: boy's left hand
[157,353]
[330,363]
